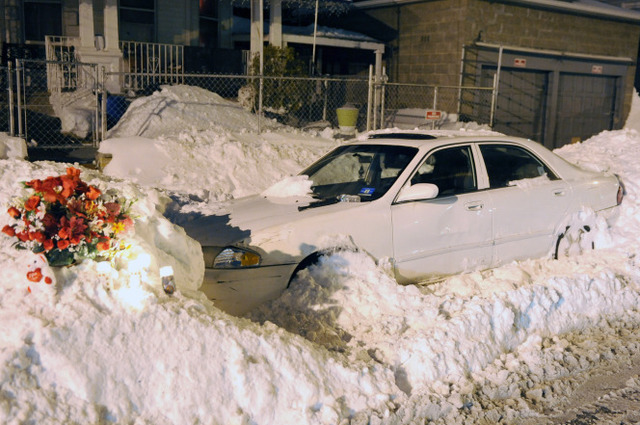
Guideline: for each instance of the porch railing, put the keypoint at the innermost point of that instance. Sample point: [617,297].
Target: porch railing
[150,64]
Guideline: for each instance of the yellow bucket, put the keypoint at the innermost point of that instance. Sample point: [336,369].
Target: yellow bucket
[347,118]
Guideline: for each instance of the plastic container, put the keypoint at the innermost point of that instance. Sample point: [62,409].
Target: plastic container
[347,118]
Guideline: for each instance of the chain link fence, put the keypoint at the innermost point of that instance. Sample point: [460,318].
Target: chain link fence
[51,105]
[297,102]
[63,105]
[405,105]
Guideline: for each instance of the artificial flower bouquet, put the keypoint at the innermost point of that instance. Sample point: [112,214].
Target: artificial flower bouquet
[68,220]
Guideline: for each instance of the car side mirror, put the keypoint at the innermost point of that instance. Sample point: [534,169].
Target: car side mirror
[418,192]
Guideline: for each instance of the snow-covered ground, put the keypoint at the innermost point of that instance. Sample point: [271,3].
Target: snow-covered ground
[345,344]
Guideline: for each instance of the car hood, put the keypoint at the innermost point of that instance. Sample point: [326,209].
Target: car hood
[243,219]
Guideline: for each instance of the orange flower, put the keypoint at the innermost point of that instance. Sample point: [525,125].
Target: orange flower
[14,212]
[32,203]
[8,230]
[35,185]
[35,275]
[37,236]
[93,193]
[73,173]
[63,233]
[63,244]
[47,245]
[49,186]
[104,245]
[23,236]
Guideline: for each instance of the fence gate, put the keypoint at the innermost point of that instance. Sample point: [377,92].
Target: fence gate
[52,105]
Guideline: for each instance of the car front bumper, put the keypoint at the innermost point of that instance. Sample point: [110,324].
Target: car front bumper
[238,291]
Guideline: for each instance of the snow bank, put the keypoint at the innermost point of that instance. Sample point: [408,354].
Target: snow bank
[189,140]
[12,147]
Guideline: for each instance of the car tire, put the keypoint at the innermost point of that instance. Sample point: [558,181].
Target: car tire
[574,240]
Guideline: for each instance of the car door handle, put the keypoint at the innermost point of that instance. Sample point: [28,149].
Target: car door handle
[474,206]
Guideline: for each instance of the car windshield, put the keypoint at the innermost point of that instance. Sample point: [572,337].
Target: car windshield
[357,173]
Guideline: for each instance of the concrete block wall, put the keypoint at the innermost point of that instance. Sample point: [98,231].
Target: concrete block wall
[432,34]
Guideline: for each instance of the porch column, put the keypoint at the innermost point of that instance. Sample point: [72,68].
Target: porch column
[85,20]
[275,23]
[257,29]
[111,35]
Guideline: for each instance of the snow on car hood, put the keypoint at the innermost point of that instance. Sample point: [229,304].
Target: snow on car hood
[250,217]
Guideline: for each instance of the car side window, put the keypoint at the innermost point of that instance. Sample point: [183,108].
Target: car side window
[451,169]
[507,164]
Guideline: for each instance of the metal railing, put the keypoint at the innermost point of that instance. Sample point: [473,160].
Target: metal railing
[150,64]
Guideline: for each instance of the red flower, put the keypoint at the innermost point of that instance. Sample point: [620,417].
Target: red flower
[93,193]
[104,245]
[37,236]
[8,230]
[23,236]
[14,212]
[35,275]
[74,173]
[48,189]
[47,245]
[50,223]
[113,208]
[64,232]
[63,244]
[35,185]
[32,203]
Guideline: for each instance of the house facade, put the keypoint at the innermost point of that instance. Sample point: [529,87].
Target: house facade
[565,69]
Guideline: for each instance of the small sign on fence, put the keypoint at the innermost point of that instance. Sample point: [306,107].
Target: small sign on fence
[433,114]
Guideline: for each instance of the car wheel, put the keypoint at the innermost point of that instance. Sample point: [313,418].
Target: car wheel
[574,241]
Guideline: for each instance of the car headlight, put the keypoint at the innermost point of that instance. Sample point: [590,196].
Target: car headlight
[235,258]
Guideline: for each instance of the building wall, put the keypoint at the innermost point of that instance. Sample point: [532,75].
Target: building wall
[432,35]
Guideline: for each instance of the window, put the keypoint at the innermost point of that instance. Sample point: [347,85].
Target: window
[450,169]
[42,18]
[208,23]
[507,164]
[137,20]
[363,171]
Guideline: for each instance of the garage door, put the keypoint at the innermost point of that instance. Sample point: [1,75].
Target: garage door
[521,102]
[586,106]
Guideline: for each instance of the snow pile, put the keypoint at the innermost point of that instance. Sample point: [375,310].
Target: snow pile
[188,140]
[174,109]
[12,147]
[346,343]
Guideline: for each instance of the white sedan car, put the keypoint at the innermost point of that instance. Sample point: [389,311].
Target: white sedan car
[432,204]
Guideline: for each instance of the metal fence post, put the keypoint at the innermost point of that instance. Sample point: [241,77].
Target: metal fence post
[370,98]
[383,91]
[10,83]
[103,106]
[435,105]
[19,69]
[326,98]
[98,90]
